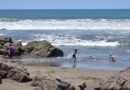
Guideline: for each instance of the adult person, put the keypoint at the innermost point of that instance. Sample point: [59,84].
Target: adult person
[19,45]
[74,55]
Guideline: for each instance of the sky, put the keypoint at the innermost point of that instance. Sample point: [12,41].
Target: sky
[64,4]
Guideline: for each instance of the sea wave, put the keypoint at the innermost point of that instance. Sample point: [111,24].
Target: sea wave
[66,24]
[73,41]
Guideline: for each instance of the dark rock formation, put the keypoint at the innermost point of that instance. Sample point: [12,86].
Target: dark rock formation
[18,75]
[3,42]
[34,48]
[121,81]
[3,51]
[5,66]
[62,85]
[51,83]
[13,72]
[3,74]
[5,39]
[0,79]
[42,49]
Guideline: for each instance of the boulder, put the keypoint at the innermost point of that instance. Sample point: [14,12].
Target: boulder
[0,79]
[3,51]
[42,49]
[3,74]
[5,66]
[3,44]
[120,81]
[18,75]
[14,72]
[5,39]
[53,83]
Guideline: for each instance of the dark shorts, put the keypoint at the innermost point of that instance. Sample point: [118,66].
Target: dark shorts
[74,56]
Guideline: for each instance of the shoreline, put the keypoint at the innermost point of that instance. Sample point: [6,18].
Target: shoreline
[75,76]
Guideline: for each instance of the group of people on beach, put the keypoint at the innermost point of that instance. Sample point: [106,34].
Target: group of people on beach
[111,58]
[11,48]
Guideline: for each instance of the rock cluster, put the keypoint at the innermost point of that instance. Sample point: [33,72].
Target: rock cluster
[121,81]
[53,83]
[7,70]
[33,49]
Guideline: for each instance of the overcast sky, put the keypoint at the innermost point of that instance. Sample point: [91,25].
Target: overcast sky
[64,4]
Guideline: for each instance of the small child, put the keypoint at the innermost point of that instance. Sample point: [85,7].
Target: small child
[111,58]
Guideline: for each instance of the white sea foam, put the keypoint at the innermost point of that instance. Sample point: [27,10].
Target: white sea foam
[72,41]
[67,24]
[24,44]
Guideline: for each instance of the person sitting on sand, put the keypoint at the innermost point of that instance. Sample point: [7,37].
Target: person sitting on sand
[20,50]
[10,50]
[111,58]
[74,55]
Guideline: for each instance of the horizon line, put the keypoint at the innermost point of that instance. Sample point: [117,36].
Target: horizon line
[73,9]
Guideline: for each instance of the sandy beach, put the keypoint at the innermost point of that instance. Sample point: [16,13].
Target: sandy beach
[91,77]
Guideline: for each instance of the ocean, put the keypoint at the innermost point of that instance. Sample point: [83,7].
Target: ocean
[96,33]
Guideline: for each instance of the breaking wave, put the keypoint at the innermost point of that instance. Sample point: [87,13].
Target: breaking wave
[73,41]
[67,24]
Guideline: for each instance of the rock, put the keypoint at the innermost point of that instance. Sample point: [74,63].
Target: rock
[121,81]
[14,72]
[45,82]
[5,39]
[3,74]
[18,75]
[42,49]
[82,86]
[62,85]
[0,79]
[5,66]
[3,51]
[3,44]
[52,83]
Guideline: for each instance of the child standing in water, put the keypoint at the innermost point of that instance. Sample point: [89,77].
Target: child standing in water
[74,55]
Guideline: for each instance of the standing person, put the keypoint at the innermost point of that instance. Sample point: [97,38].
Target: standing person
[20,50]
[10,50]
[10,40]
[74,55]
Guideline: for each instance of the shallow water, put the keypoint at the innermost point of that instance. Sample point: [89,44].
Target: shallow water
[97,43]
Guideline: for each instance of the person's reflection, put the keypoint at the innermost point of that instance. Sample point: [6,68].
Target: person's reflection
[74,65]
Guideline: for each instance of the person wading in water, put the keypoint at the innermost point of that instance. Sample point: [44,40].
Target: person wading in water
[74,55]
